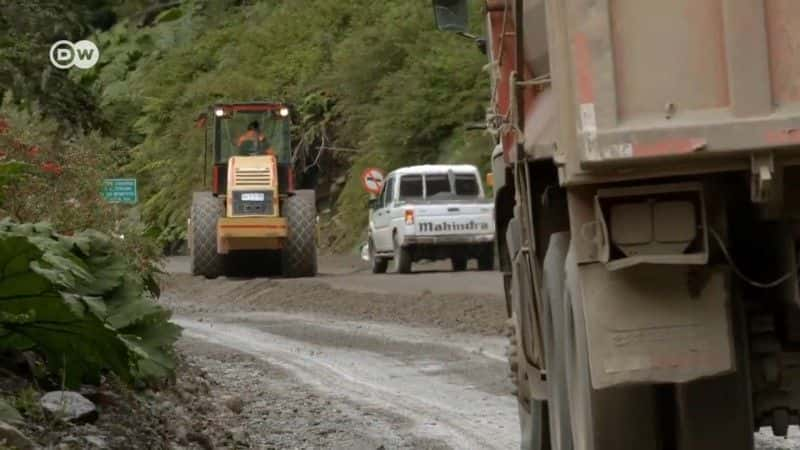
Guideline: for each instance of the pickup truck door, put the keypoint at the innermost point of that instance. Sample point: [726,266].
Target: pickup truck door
[382,218]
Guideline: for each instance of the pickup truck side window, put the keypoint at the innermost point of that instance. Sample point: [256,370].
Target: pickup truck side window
[467,185]
[410,187]
[389,198]
[382,198]
[437,184]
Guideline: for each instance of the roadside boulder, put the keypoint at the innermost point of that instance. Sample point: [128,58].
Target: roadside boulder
[13,438]
[68,406]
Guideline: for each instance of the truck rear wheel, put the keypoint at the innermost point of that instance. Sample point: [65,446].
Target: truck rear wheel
[206,211]
[486,258]
[619,418]
[459,263]
[533,415]
[299,255]
[402,257]
[379,264]
[552,332]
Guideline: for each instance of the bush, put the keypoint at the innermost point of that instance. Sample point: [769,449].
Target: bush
[78,302]
[57,178]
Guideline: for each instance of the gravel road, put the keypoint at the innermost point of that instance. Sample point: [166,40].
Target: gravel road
[355,360]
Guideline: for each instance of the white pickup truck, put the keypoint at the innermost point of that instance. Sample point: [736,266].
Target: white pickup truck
[431,212]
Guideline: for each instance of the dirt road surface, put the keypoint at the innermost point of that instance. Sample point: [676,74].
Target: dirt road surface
[355,360]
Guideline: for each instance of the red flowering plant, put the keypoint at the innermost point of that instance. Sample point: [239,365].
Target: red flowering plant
[63,181]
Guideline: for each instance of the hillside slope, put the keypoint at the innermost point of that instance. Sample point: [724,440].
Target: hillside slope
[374,84]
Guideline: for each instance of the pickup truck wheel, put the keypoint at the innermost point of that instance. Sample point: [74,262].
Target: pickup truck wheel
[402,258]
[459,263]
[379,264]
[486,258]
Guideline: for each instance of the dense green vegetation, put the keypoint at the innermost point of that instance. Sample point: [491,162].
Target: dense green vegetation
[81,299]
[372,77]
[373,83]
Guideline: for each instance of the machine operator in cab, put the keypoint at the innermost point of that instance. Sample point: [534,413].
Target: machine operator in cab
[253,141]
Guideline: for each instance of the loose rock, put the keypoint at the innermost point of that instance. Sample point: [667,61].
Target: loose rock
[12,437]
[235,404]
[68,406]
[96,441]
[200,439]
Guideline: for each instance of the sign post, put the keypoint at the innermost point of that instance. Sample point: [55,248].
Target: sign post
[372,180]
[120,190]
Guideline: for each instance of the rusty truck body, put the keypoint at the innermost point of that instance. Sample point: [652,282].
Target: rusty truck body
[646,181]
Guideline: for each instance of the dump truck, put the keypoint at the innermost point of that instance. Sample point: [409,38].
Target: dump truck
[646,156]
[253,206]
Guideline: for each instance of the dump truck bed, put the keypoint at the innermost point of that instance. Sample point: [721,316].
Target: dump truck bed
[673,86]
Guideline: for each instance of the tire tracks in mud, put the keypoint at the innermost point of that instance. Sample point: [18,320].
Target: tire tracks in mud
[419,388]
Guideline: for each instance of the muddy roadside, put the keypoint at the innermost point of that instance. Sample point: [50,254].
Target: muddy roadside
[415,362]
[188,412]
[465,302]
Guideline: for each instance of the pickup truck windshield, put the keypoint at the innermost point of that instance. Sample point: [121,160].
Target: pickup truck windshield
[438,186]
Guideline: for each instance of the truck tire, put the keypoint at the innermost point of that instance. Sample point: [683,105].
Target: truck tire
[512,354]
[206,211]
[618,418]
[379,264]
[402,257]
[459,263]
[486,258]
[299,255]
[553,279]
[532,413]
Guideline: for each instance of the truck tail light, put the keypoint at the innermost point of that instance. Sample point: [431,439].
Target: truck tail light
[409,217]
[657,224]
[215,180]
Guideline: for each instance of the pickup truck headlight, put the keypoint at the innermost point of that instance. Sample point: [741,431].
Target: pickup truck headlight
[409,217]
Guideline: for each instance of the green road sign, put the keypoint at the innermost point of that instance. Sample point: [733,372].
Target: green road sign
[120,190]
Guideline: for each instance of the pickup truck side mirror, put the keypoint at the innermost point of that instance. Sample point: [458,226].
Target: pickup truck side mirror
[452,15]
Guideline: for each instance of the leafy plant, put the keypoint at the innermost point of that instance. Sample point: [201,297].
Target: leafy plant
[78,302]
[26,402]
[9,413]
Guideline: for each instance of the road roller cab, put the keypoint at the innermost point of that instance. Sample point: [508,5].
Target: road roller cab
[252,204]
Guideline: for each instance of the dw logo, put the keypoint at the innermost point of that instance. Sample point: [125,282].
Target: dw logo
[82,54]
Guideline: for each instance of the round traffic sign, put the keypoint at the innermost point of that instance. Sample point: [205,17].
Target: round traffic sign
[372,180]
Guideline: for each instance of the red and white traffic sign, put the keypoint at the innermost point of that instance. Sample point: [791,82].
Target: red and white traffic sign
[372,180]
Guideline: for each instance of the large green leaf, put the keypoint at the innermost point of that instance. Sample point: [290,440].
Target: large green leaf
[78,302]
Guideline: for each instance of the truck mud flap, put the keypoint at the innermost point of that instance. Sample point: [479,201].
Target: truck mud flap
[656,324]
[523,297]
